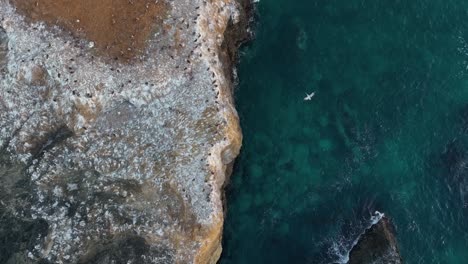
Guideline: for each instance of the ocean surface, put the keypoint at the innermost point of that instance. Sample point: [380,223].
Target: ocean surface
[387,130]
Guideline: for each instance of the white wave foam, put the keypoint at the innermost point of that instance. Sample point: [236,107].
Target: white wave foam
[375,218]
[340,250]
[339,247]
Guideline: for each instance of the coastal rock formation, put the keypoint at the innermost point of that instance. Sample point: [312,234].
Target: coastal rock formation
[117,127]
[377,245]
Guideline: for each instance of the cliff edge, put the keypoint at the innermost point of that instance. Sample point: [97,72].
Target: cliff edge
[117,128]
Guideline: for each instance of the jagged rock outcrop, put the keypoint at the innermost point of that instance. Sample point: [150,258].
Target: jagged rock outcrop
[377,245]
[117,127]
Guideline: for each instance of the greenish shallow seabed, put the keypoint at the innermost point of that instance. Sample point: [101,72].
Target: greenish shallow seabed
[387,130]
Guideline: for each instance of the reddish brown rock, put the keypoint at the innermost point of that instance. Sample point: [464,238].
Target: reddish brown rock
[119,28]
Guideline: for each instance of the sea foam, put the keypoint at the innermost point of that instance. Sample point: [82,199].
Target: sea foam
[339,248]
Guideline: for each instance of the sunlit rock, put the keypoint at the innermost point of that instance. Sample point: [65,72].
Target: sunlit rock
[117,126]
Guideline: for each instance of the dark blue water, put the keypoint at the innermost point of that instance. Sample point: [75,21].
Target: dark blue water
[386,130]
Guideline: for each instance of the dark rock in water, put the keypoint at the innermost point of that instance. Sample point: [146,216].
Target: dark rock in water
[454,157]
[455,160]
[377,245]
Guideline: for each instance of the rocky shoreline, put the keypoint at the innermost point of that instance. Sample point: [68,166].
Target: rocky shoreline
[122,154]
[107,158]
[235,34]
[377,245]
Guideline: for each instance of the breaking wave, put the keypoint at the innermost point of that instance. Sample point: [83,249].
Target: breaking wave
[340,248]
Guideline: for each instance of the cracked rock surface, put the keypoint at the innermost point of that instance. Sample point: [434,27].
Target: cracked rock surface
[116,129]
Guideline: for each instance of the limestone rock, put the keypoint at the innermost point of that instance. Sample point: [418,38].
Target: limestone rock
[117,126]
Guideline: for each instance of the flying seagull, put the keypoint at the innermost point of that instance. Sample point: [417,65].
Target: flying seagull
[309,96]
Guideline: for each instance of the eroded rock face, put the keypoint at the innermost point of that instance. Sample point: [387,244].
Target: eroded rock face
[115,150]
[3,50]
[377,245]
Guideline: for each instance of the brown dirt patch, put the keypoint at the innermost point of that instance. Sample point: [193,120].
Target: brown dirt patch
[119,28]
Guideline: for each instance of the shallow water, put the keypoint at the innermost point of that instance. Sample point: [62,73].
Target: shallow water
[386,130]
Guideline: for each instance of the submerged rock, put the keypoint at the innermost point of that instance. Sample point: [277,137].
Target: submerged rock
[117,127]
[377,245]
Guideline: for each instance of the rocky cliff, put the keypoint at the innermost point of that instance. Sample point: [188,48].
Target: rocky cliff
[117,127]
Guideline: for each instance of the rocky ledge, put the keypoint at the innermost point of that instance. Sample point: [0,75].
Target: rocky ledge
[117,128]
[377,245]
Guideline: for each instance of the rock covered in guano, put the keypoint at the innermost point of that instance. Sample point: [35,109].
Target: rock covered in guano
[116,129]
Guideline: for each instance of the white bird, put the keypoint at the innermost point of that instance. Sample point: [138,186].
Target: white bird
[309,96]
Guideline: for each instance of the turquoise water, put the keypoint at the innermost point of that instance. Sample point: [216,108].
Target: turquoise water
[387,130]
